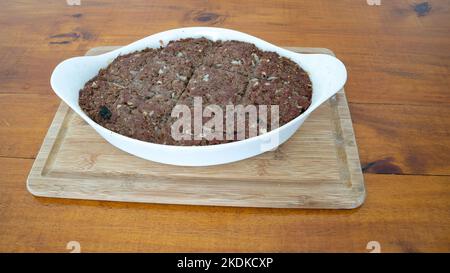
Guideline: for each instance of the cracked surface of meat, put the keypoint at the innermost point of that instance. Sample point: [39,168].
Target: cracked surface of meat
[135,94]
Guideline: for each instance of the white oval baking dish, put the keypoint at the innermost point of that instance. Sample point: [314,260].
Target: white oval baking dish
[328,76]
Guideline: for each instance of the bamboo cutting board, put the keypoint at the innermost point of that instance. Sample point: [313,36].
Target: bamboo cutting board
[317,168]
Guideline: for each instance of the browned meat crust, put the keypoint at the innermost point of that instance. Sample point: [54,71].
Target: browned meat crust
[134,96]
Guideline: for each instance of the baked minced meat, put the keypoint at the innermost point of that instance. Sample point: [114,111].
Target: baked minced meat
[134,96]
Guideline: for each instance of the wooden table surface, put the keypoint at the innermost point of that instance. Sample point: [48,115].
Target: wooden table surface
[398,59]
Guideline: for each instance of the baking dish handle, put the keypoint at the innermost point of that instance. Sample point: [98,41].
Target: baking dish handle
[327,73]
[70,75]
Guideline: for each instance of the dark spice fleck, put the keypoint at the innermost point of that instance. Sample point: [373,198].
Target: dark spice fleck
[104,112]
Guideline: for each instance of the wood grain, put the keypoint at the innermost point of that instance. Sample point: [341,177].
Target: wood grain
[403,139]
[399,68]
[24,120]
[400,213]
